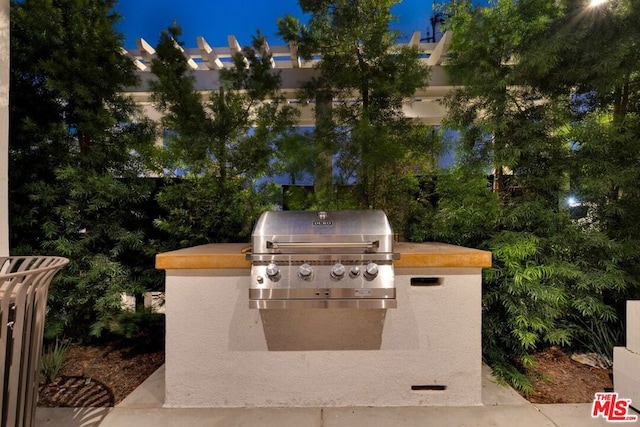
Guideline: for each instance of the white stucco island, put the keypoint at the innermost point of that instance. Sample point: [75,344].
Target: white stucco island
[221,353]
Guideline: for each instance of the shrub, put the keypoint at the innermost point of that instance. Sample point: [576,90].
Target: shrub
[53,357]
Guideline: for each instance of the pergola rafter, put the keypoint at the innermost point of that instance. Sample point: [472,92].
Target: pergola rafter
[206,63]
[283,56]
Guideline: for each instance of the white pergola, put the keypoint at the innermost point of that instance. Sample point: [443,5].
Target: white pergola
[206,63]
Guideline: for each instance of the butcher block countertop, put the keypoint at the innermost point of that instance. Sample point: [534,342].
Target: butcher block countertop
[412,255]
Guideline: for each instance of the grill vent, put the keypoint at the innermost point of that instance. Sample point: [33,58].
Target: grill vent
[429,387]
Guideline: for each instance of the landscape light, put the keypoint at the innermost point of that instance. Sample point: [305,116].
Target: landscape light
[596,3]
[572,201]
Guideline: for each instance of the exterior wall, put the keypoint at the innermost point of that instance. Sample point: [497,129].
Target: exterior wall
[626,360]
[4,127]
[633,326]
[220,353]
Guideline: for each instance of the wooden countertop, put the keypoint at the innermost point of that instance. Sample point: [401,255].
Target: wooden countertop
[412,255]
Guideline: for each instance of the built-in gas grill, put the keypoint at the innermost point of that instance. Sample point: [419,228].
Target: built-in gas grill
[333,259]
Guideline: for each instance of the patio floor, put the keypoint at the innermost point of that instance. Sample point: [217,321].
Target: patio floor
[502,406]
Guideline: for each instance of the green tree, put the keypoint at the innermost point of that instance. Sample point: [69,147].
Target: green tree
[75,153]
[550,275]
[366,74]
[223,144]
[605,131]
[607,135]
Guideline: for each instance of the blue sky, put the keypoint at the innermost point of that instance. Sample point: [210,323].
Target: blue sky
[216,19]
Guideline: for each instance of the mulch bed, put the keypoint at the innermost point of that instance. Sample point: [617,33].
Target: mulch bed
[100,375]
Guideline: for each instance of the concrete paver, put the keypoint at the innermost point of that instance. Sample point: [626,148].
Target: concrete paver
[150,394]
[71,417]
[502,407]
[494,394]
[468,416]
[218,417]
[575,414]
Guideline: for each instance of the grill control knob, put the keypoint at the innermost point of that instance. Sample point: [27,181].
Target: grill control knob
[337,271]
[305,271]
[355,271]
[371,271]
[272,270]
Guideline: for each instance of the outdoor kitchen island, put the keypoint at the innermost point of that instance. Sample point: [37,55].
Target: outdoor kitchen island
[221,353]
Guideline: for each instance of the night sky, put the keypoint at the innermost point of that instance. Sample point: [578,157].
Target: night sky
[214,20]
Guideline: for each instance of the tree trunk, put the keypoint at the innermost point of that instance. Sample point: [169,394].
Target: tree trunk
[221,148]
[324,161]
[621,100]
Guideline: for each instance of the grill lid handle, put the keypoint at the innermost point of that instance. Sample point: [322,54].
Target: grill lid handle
[322,245]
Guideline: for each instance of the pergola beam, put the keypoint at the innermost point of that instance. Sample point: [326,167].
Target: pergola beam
[265,51]
[415,39]
[235,48]
[439,51]
[209,56]
[146,50]
[190,61]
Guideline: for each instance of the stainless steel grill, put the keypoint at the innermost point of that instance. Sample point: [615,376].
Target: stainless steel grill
[333,259]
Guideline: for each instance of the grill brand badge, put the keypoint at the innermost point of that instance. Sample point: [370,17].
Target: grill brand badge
[322,219]
[612,408]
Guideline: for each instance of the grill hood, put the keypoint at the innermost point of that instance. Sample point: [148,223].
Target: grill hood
[295,232]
